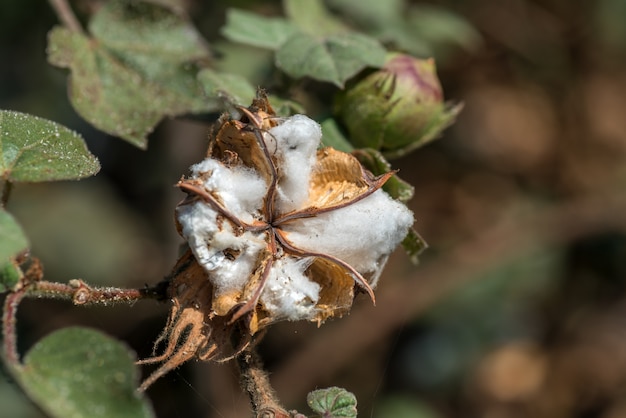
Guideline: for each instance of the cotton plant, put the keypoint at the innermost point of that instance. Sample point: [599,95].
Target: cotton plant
[277,229]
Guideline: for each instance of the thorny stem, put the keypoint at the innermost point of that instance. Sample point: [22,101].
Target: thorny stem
[66,15]
[254,380]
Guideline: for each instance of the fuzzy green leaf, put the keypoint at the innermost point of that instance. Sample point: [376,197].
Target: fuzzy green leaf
[332,402]
[231,86]
[12,242]
[256,30]
[312,17]
[334,59]
[12,238]
[140,65]
[79,372]
[34,149]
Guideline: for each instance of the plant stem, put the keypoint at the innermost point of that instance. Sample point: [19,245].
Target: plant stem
[66,15]
[9,337]
[255,382]
[80,293]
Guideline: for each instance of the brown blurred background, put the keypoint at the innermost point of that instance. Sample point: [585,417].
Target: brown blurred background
[518,309]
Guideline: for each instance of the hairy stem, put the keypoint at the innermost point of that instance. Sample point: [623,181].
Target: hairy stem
[256,383]
[9,336]
[66,15]
[80,293]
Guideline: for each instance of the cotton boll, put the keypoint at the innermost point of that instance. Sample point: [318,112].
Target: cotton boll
[297,139]
[198,223]
[362,234]
[240,189]
[233,271]
[289,293]
[210,245]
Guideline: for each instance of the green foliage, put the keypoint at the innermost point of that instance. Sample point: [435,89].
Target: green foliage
[138,66]
[235,88]
[422,30]
[12,242]
[309,43]
[334,58]
[332,402]
[34,149]
[78,372]
[252,29]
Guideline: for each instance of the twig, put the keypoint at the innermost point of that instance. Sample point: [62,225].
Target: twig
[66,15]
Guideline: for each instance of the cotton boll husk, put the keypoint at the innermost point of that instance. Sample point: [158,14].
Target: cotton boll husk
[289,293]
[240,189]
[199,227]
[297,139]
[361,234]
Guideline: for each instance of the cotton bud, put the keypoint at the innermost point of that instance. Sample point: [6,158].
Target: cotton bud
[397,108]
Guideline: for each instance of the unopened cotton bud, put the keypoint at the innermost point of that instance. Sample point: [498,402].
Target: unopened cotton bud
[397,108]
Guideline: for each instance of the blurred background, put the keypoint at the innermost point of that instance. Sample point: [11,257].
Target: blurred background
[517,309]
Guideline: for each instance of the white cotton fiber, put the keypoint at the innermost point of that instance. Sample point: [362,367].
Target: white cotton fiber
[288,293]
[208,244]
[361,234]
[297,139]
[240,189]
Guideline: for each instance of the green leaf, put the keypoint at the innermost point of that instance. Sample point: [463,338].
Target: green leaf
[12,242]
[79,372]
[312,17]
[334,59]
[140,65]
[414,245]
[332,136]
[232,86]
[256,30]
[12,238]
[34,149]
[10,276]
[332,402]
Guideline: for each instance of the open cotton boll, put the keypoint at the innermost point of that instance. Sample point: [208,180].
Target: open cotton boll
[234,270]
[240,188]
[198,221]
[361,234]
[229,257]
[289,293]
[297,139]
